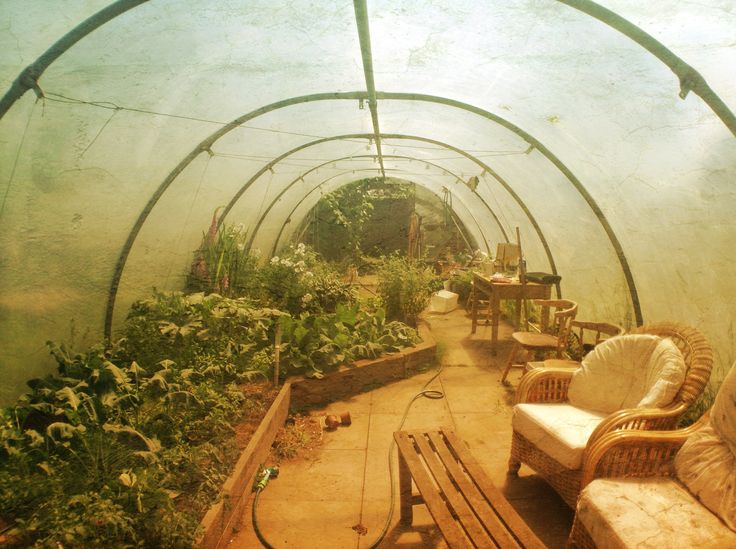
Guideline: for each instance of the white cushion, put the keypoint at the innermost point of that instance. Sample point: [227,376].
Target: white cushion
[559,430]
[665,373]
[723,413]
[651,513]
[706,463]
[626,372]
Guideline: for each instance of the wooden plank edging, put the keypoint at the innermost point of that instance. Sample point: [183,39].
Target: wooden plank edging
[217,521]
[365,374]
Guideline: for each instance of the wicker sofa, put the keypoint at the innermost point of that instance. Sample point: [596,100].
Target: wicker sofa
[550,386]
[656,489]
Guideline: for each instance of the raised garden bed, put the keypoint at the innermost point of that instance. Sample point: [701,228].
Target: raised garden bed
[364,375]
[217,521]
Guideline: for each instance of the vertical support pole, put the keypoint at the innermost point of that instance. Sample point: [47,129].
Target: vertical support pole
[277,355]
[522,279]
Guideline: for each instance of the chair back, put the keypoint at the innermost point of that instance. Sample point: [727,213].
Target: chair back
[696,351]
[598,331]
[561,322]
[507,255]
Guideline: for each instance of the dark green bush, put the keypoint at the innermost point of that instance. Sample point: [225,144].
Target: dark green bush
[405,287]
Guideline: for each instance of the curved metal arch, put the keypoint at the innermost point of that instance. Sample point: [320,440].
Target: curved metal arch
[28,77]
[264,214]
[576,183]
[467,155]
[206,144]
[301,201]
[689,78]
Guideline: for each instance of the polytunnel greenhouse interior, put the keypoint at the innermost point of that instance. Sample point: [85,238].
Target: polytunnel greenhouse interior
[211,208]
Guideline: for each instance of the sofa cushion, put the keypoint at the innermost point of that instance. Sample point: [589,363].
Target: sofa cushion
[723,413]
[628,371]
[648,513]
[706,463]
[559,430]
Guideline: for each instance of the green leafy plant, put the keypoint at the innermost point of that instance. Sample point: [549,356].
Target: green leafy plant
[128,443]
[342,216]
[114,450]
[461,283]
[221,263]
[405,287]
[297,281]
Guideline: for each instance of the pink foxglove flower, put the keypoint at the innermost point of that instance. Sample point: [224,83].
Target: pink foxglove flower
[212,235]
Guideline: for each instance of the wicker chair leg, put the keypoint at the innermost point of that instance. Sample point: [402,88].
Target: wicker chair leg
[579,537]
[514,459]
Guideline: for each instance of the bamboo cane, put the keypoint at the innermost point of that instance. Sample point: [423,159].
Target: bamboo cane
[277,355]
[522,279]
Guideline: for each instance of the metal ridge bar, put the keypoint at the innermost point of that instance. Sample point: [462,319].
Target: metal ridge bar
[364,33]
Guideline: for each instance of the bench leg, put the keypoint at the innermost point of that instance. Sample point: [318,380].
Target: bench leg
[405,491]
[514,466]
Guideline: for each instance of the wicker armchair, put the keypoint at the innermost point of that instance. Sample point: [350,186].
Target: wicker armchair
[629,454]
[550,385]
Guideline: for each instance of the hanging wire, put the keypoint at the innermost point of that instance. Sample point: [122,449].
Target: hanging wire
[114,112]
[60,98]
[191,208]
[17,156]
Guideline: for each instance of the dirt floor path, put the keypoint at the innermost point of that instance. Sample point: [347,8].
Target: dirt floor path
[339,495]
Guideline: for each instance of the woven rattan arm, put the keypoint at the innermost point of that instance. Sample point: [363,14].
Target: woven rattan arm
[643,419]
[631,453]
[544,385]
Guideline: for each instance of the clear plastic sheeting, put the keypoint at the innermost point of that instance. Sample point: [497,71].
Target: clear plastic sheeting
[615,161]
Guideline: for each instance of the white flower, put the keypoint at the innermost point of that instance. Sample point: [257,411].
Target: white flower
[306,298]
[274,260]
[309,274]
[241,247]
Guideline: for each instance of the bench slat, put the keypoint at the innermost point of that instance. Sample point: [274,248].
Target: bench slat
[503,508]
[437,508]
[478,501]
[457,502]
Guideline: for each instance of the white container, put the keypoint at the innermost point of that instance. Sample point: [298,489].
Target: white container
[443,302]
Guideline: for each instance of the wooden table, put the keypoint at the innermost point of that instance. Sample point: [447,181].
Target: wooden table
[494,292]
[468,509]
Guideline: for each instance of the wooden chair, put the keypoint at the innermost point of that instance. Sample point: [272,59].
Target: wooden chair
[552,336]
[550,386]
[586,336]
[590,334]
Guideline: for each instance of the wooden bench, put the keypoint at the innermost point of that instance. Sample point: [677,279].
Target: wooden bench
[468,509]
